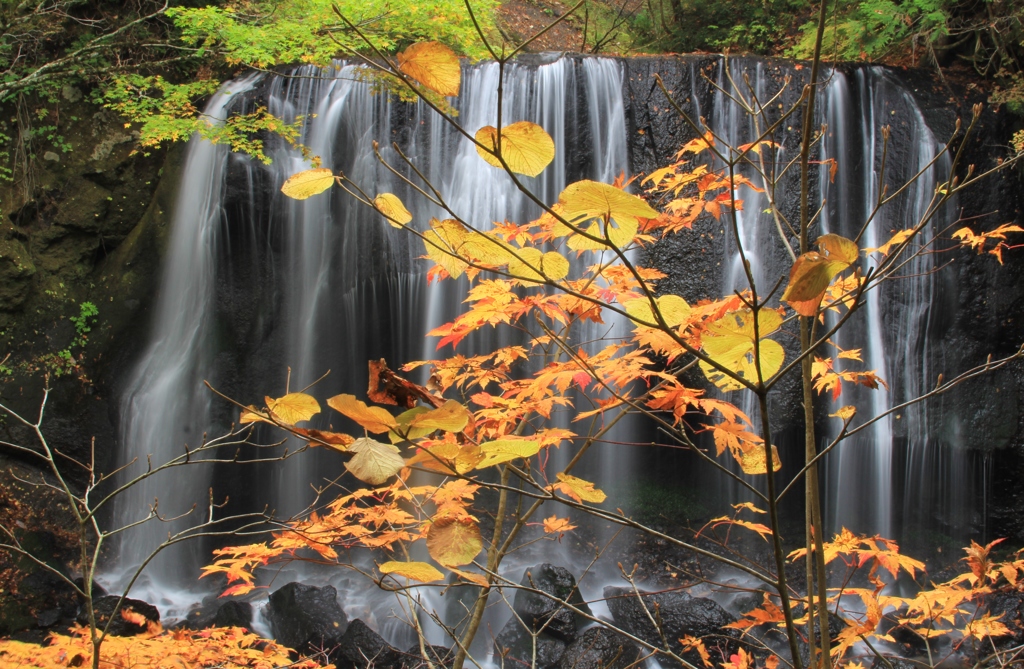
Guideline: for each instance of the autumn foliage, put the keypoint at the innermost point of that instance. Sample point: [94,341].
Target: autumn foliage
[157,648]
[547,278]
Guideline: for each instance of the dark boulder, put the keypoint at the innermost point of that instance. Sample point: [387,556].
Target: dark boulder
[233,614]
[600,648]
[360,647]
[216,613]
[104,610]
[440,656]
[680,615]
[1009,608]
[547,610]
[514,648]
[909,641]
[306,618]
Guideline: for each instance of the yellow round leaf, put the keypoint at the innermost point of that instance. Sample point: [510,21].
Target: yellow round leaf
[554,265]
[730,342]
[417,571]
[526,266]
[434,65]
[454,542]
[752,460]
[674,310]
[293,407]
[374,462]
[586,201]
[444,242]
[845,413]
[304,184]
[578,489]
[393,209]
[526,147]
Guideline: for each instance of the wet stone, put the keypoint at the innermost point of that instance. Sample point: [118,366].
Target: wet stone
[600,648]
[361,648]
[513,647]
[306,618]
[544,610]
[104,608]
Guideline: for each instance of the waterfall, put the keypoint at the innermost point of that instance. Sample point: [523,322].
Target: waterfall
[894,479]
[325,284]
[256,284]
[164,408]
[894,330]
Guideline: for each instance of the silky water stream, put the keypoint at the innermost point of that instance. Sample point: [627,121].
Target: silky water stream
[256,284]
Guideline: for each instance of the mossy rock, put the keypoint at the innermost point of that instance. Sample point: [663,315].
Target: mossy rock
[16,271]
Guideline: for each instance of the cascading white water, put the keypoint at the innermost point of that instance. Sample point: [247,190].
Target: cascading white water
[893,330]
[338,276]
[864,490]
[164,408]
[338,287]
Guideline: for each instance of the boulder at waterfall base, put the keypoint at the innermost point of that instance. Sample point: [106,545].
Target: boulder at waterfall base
[214,612]
[546,610]
[513,647]
[119,626]
[306,618]
[681,615]
[600,648]
[360,648]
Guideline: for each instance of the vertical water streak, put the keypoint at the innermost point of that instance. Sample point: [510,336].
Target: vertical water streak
[754,231]
[165,407]
[893,329]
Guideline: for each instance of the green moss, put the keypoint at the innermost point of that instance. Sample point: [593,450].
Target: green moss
[650,502]
[16,271]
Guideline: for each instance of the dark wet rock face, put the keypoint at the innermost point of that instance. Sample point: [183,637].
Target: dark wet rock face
[1009,607]
[514,647]
[215,613]
[439,656]
[680,614]
[545,610]
[306,618]
[104,611]
[360,647]
[599,648]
